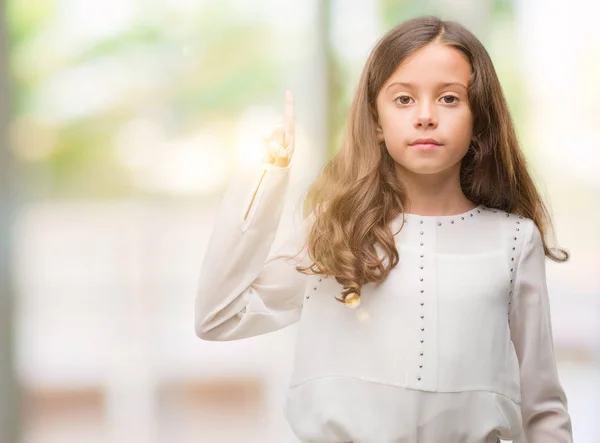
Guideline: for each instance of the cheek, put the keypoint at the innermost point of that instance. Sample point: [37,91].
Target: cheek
[460,128]
[395,124]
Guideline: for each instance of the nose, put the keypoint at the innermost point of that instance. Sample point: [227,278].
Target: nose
[425,117]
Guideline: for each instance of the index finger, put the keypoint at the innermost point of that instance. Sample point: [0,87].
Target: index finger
[289,118]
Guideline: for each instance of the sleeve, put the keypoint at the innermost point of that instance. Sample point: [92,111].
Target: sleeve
[544,403]
[242,291]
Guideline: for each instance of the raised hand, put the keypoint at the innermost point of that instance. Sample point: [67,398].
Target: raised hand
[280,143]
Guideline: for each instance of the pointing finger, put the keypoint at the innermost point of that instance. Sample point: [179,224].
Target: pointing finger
[290,126]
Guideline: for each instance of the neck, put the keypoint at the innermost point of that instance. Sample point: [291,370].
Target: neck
[434,194]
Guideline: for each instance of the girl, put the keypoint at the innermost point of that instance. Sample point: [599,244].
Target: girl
[429,219]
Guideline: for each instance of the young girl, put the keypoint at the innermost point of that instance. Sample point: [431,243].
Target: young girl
[428,218]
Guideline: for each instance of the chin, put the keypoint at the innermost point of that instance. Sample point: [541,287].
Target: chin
[424,169]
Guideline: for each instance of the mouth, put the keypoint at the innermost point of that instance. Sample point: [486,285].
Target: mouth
[425,144]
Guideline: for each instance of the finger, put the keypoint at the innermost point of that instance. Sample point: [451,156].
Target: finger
[278,136]
[276,150]
[289,151]
[278,154]
[290,124]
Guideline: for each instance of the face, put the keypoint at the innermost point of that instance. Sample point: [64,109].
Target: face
[426,98]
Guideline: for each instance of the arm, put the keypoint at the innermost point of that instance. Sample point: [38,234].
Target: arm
[242,291]
[544,404]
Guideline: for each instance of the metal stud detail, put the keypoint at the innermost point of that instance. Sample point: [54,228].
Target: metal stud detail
[422,289]
[512,259]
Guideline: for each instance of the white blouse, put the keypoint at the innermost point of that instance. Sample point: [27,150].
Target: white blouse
[455,346]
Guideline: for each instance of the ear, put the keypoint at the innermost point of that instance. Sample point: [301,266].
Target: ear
[380,137]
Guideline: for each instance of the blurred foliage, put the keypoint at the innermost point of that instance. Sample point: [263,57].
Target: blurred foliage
[394,12]
[26,17]
[208,71]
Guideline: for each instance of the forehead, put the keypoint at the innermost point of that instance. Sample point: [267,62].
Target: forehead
[433,64]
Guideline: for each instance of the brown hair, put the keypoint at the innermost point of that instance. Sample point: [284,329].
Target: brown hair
[357,195]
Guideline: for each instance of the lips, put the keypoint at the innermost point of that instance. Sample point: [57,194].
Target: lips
[425,144]
[425,141]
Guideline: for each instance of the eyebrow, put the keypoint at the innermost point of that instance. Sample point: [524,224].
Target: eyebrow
[412,85]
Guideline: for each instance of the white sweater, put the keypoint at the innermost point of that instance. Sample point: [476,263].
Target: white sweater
[455,346]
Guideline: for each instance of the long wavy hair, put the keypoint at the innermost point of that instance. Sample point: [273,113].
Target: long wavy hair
[358,194]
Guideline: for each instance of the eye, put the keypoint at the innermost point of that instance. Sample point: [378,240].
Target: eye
[403,100]
[453,99]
